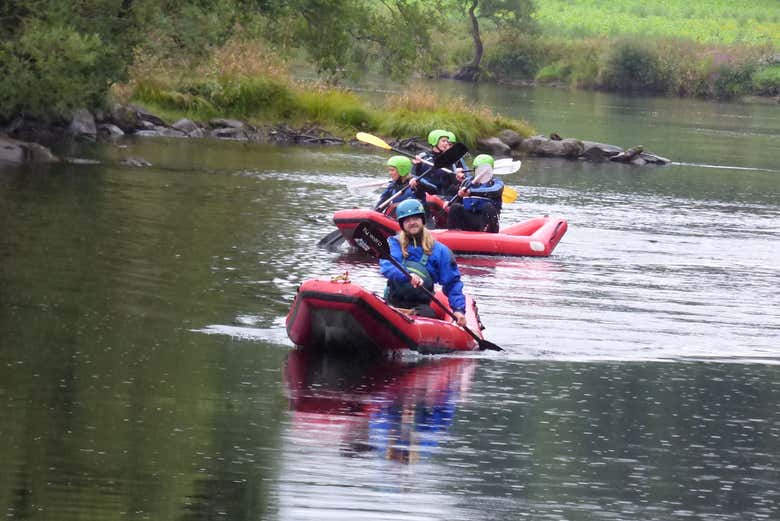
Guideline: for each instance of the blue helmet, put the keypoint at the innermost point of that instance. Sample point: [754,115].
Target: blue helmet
[408,208]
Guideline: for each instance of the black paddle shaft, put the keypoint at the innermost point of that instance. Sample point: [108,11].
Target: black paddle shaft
[368,239]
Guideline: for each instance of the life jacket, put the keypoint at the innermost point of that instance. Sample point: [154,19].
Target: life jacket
[402,294]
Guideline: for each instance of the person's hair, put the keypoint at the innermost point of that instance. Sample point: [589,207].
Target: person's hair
[427,241]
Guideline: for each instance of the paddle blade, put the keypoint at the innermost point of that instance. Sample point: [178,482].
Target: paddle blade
[451,156]
[370,240]
[506,168]
[372,140]
[486,345]
[331,241]
[509,195]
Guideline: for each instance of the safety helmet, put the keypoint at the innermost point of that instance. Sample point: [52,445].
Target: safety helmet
[408,208]
[401,163]
[483,159]
[435,135]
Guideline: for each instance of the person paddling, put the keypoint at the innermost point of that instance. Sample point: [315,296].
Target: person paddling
[427,260]
[480,199]
[444,183]
[399,168]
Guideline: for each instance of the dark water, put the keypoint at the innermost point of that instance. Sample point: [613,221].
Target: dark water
[145,372]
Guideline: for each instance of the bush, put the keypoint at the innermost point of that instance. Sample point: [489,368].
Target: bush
[766,81]
[52,69]
[731,80]
[635,67]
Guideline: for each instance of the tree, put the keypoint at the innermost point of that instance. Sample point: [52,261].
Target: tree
[513,15]
[344,37]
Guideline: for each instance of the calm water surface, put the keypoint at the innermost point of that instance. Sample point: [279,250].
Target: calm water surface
[145,372]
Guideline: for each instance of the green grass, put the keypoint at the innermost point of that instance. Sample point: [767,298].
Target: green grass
[749,22]
[262,100]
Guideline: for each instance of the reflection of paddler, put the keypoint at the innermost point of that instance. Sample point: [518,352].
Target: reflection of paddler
[399,409]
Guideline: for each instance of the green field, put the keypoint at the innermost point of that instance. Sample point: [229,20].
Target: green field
[706,21]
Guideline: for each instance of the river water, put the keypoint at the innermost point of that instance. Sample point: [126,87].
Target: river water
[145,372]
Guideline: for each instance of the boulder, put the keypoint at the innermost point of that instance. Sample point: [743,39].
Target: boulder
[187,126]
[17,152]
[511,138]
[83,125]
[494,146]
[110,130]
[599,151]
[544,146]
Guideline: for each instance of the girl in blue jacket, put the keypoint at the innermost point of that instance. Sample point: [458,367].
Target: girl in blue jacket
[427,260]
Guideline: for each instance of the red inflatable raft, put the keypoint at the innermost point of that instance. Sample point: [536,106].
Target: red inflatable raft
[339,315]
[536,237]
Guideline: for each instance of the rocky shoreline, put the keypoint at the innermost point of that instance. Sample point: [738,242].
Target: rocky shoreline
[23,141]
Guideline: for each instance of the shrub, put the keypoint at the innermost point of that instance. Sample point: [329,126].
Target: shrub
[766,81]
[633,66]
[52,69]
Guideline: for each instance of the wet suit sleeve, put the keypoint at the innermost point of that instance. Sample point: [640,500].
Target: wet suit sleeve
[448,275]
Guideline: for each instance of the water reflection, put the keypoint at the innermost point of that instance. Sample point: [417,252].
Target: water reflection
[363,435]
[394,409]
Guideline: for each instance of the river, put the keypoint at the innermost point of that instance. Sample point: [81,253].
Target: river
[145,372]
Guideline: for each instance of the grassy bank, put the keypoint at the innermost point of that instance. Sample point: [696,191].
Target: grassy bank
[244,80]
[709,49]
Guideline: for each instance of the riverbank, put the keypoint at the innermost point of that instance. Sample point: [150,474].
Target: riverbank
[23,144]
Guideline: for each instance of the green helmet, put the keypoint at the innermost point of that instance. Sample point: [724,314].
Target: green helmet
[483,159]
[401,163]
[408,208]
[435,135]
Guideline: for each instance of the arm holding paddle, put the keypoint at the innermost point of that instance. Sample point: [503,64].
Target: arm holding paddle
[448,276]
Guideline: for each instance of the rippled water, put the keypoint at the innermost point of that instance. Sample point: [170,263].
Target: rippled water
[145,372]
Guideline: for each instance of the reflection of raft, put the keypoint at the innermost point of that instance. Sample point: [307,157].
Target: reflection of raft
[397,408]
[536,237]
[342,316]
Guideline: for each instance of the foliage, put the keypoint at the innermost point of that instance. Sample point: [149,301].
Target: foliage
[347,37]
[767,80]
[744,22]
[52,69]
[633,66]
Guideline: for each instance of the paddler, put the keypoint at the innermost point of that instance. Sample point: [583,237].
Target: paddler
[445,183]
[427,260]
[399,168]
[478,204]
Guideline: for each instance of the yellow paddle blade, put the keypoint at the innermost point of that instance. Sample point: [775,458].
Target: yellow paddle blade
[509,195]
[372,140]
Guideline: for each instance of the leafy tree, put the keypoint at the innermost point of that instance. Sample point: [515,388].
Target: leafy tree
[507,15]
[348,36]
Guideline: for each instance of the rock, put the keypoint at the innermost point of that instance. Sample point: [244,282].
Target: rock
[511,138]
[145,115]
[83,125]
[236,133]
[135,161]
[110,130]
[18,152]
[628,155]
[158,131]
[494,146]
[11,151]
[654,159]
[599,151]
[186,125]
[227,123]
[544,146]
[555,136]
[124,117]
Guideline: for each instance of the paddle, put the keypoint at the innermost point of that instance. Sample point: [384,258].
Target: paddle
[449,157]
[502,167]
[368,238]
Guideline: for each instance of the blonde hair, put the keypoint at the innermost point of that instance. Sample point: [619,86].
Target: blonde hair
[427,241]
